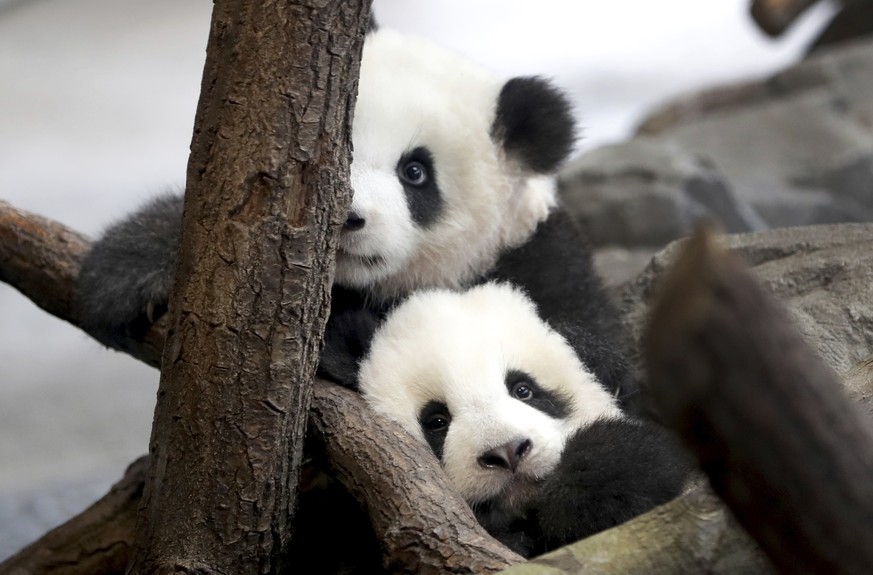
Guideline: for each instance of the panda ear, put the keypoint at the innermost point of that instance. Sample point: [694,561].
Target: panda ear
[534,123]
[372,25]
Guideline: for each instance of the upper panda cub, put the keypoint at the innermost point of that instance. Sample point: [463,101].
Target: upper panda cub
[453,179]
[526,433]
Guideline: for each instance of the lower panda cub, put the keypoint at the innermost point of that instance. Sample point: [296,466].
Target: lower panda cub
[531,439]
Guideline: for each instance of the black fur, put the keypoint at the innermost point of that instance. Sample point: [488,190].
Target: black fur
[347,336]
[555,269]
[549,402]
[535,123]
[425,201]
[125,282]
[126,278]
[610,472]
[436,438]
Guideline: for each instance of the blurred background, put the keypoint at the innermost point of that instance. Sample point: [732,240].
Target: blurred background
[97,101]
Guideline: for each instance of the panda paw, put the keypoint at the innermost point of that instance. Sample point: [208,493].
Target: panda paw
[611,471]
[125,281]
[347,338]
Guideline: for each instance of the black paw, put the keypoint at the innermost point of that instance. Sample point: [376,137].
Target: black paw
[125,281]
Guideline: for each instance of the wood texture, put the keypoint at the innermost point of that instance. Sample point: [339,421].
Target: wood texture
[41,259]
[769,422]
[442,536]
[266,194]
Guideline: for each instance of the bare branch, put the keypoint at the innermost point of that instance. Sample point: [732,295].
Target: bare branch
[97,541]
[427,541]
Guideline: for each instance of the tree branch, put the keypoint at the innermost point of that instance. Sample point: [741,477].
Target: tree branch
[338,418]
[690,535]
[781,443]
[98,541]
[427,541]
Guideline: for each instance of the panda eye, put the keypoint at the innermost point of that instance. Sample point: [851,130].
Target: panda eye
[413,173]
[437,422]
[522,391]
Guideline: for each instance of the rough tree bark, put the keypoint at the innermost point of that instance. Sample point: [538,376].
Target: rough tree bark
[266,194]
[767,418]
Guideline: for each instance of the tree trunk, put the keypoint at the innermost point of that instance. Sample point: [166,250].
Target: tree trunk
[266,194]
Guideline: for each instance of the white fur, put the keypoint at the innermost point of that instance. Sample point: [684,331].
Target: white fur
[456,348]
[413,93]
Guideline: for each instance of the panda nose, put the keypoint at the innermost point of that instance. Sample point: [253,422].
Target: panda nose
[507,456]
[354,222]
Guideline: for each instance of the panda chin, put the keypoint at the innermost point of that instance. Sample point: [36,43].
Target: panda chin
[512,501]
[512,494]
[359,270]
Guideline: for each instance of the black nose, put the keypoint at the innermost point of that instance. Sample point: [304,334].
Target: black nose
[507,456]
[354,222]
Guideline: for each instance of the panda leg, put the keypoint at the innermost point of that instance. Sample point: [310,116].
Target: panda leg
[126,278]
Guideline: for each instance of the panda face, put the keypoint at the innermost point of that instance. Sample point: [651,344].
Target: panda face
[486,384]
[437,192]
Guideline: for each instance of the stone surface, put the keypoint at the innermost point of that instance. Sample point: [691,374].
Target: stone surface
[647,193]
[795,149]
[822,274]
[617,265]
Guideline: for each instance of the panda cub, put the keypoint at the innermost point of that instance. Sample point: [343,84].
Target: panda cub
[529,436]
[453,178]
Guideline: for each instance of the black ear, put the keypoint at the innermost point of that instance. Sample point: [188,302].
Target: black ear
[372,25]
[534,123]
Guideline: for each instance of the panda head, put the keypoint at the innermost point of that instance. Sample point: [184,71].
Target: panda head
[450,166]
[482,380]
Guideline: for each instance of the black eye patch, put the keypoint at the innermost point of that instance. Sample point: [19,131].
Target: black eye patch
[435,420]
[524,387]
[417,173]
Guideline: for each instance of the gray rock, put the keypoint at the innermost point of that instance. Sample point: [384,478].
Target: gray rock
[618,265]
[792,150]
[646,193]
[822,274]
[797,161]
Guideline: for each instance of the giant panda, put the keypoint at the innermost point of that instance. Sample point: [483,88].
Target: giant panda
[528,434]
[453,178]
